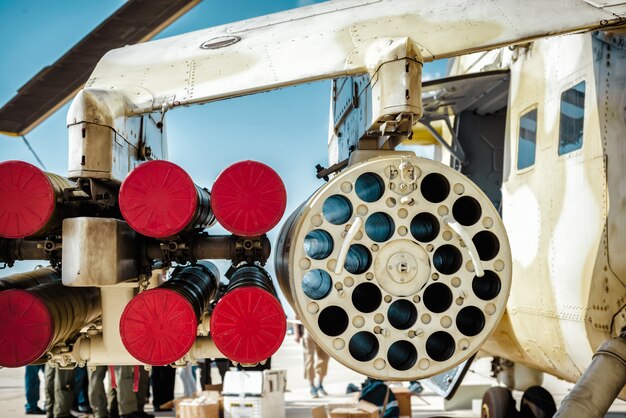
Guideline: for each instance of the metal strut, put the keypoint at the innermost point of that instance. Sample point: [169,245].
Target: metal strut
[598,387]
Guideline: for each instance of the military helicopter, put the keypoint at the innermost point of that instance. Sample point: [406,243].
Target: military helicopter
[400,267]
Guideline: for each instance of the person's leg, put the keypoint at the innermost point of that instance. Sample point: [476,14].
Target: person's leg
[49,390]
[144,384]
[126,398]
[63,392]
[97,394]
[81,390]
[189,384]
[223,365]
[309,357]
[31,381]
[162,385]
[321,368]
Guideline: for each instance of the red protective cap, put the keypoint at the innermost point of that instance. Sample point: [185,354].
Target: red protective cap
[26,328]
[158,327]
[248,198]
[26,199]
[158,199]
[248,325]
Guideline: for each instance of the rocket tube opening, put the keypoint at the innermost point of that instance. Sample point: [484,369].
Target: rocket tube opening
[337,209]
[440,346]
[363,346]
[248,198]
[402,355]
[318,244]
[424,227]
[488,286]
[379,227]
[435,188]
[28,199]
[487,245]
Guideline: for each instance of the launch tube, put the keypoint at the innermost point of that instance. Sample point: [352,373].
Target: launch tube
[159,199]
[248,323]
[159,326]
[29,279]
[249,198]
[32,203]
[33,320]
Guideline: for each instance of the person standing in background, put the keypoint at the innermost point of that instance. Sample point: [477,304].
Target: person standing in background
[315,361]
[33,383]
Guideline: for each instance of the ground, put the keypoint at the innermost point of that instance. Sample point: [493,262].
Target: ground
[297,399]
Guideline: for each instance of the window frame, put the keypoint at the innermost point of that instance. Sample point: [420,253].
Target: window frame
[567,87]
[523,113]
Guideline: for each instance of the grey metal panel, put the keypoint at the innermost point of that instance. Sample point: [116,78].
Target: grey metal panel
[483,93]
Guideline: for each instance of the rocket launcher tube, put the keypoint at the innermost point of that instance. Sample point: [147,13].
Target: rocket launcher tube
[33,320]
[248,323]
[158,199]
[32,203]
[159,326]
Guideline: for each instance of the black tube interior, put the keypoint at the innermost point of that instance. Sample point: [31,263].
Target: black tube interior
[363,346]
[488,286]
[435,188]
[437,297]
[402,355]
[318,244]
[470,321]
[424,227]
[337,209]
[379,227]
[369,187]
[316,284]
[358,259]
[366,297]
[333,321]
[402,314]
[440,346]
[447,259]
[487,245]
[466,210]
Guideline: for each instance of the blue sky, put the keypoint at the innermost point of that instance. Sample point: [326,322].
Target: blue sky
[286,129]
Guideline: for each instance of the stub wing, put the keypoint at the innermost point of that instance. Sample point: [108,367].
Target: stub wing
[327,40]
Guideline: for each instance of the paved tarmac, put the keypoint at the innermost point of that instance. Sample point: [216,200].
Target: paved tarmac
[297,399]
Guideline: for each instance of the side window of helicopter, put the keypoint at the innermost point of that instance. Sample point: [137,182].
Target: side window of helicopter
[527,141]
[572,119]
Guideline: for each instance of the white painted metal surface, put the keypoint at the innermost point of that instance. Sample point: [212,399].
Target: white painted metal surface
[323,41]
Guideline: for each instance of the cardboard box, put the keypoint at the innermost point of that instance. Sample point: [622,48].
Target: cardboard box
[205,404]
[255,394]
[403,396]
[363,409]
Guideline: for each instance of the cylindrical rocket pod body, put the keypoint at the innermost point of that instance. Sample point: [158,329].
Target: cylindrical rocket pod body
[32,203]
[33,320]
[248,323]
[159,326]
[159,199]
[29,279]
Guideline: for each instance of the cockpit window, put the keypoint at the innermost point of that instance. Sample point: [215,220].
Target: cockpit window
[572,118]
[527,139]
